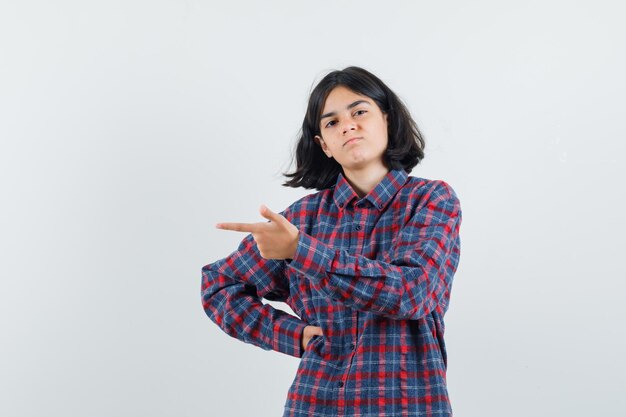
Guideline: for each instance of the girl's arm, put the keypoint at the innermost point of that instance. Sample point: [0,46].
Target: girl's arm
[232,289]
[424,259]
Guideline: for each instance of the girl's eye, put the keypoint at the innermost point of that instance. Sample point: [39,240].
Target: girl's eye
[356,113]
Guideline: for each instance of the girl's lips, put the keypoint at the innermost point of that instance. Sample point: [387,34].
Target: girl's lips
[352,141]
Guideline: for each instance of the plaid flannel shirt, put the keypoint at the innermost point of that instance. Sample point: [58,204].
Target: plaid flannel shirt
[375,273]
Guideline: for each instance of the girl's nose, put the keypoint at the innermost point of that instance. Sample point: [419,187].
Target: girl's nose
[348,125]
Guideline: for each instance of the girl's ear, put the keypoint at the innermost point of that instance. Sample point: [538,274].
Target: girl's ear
[321,142]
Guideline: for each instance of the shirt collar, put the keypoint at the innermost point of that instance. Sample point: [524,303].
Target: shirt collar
[379,196]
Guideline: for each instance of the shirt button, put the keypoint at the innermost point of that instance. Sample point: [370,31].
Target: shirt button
[340,384]
[352,346]
[357,227]
[360,205]
[380,206]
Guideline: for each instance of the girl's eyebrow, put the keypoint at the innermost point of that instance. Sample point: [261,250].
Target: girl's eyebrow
[348,107]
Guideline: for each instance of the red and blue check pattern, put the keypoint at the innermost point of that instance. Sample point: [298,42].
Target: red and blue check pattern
[375,273]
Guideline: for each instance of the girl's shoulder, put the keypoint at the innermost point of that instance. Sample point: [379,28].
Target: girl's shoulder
[428,189]
[310,202]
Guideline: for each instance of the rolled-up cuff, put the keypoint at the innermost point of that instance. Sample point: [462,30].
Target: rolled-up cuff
[288,335]
[312,258]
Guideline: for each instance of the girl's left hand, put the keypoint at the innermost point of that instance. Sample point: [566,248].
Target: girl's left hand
[276,239]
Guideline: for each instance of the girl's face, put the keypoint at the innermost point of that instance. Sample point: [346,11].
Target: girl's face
[353,130]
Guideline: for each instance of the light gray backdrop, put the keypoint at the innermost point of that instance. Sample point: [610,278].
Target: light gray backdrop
[129,128]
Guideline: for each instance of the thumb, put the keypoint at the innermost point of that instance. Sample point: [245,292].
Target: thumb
[269,214]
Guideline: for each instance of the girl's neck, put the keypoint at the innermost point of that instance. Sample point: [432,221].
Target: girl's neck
[365,180]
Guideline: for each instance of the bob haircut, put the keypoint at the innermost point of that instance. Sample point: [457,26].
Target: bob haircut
[405,146]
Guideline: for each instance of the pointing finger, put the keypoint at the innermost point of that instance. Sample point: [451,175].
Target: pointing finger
[238,227]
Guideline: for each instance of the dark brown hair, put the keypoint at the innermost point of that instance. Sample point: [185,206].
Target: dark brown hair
[405,146]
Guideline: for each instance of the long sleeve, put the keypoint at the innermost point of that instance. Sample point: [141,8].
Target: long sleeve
[423,261]
[232,289]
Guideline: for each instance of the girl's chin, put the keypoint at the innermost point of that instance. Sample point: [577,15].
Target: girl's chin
[359,164]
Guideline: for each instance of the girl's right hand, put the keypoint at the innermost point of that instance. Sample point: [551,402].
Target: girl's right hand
[309,332]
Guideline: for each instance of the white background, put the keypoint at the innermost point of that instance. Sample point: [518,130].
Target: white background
[129,128]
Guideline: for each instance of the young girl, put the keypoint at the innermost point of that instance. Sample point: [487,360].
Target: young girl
[366,262]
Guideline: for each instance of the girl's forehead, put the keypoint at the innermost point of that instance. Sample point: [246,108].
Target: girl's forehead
[342,95]
[342,90]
